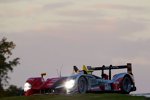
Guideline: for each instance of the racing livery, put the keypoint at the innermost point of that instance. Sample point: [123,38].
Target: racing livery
[83,81]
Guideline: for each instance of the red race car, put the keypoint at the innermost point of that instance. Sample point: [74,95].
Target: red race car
[83,81]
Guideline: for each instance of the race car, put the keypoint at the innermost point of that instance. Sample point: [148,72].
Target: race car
[83,81]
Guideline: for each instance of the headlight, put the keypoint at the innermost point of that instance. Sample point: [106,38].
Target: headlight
[69,84]
[27,86]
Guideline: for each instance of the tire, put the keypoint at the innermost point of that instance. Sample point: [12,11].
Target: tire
[82,85]
[126,85]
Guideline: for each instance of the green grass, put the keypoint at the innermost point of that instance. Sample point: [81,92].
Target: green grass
[78,97]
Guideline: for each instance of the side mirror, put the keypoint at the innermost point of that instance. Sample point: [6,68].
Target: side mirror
[43,74]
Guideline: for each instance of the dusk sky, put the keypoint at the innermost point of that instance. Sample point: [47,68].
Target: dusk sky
[50,34]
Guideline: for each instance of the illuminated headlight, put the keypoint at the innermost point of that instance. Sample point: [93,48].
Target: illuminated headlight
[69,84]
[27,86]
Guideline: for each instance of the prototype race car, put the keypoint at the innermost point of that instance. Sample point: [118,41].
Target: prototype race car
[83,81]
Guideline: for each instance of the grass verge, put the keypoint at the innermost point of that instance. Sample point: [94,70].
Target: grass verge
[107,96]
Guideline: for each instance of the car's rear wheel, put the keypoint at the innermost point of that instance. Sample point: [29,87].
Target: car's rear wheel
[126,85]
[82,85]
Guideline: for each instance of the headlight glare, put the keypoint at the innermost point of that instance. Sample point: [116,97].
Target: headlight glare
[69,84]
[27,86]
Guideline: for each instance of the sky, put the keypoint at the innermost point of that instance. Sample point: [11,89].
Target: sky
[54,35]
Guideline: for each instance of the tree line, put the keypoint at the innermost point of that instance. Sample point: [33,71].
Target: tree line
[7,65]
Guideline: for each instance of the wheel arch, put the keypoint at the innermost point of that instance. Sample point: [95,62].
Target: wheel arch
[130,77]
[87,82]
[122,75]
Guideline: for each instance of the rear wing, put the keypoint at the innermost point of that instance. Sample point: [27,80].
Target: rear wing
[128,66]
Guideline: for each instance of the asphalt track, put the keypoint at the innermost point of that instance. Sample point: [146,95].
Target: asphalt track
[142,94]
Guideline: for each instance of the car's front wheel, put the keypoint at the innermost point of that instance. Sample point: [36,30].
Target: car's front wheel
[82,85]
